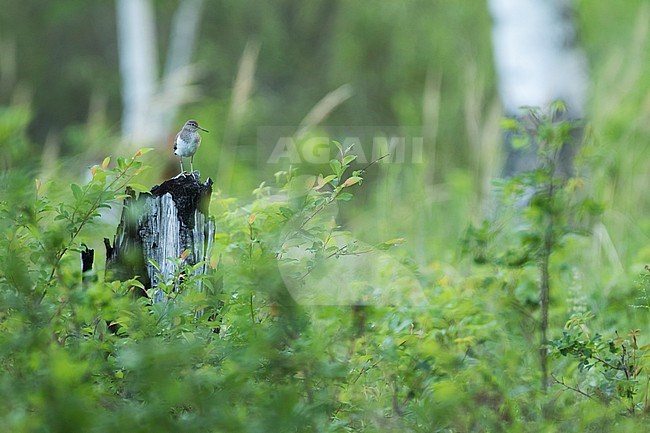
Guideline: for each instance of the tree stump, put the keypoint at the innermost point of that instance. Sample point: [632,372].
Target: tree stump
[170,222]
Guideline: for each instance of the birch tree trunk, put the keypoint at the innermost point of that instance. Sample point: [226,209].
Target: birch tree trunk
[537,61]
[138,65]
[150,104]
[178,74]
[172,222]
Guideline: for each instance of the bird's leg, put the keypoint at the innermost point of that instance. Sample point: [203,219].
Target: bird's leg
[182,169]
[192,163]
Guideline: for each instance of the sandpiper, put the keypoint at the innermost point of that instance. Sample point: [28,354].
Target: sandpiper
[187,141]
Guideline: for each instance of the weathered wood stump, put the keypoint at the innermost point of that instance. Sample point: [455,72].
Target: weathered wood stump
[170,222]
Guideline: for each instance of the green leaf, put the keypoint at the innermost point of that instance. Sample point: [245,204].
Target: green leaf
[324,181]
[153,263]
[346,196]
[509,124]
[135,283]
[100,178]
[353,180]
[142,151]
[558,107]
[286,212]
[335,164]
[76,191]
[348,159]
[139,188]
[338,146]
[389,244]
[520,142]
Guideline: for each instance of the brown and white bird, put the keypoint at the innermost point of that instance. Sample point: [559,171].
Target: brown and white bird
[187,141]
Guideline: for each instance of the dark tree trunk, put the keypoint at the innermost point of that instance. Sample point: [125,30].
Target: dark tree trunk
[87,259]
[171,222]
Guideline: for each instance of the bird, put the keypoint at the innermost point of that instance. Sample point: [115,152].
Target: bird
[187,141]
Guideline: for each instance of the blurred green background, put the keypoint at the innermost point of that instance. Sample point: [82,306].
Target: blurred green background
[59,75]
[423,65]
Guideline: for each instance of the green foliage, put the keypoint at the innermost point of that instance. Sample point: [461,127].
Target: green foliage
[238,356]
[526,248]
[238,352]
[550,210]
[611,370]
[541,209]
[41,233]
[241,355]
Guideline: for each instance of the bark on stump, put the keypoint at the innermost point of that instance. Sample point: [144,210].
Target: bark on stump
[159,226]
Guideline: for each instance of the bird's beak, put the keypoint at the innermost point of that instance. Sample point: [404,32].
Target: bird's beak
[202,129]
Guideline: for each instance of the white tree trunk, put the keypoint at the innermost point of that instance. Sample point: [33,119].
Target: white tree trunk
[179,73]
[537,59]
[536,56]
[138,66]
[149,106]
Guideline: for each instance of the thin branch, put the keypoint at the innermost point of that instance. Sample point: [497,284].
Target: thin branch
[339,253]
[85,219]
[371,163]
[335,194]
[574,389]
[602,361]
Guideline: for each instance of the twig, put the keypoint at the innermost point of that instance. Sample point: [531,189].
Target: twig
[371,163]
[575,389]
[602,361]
[335,194]
[85,219]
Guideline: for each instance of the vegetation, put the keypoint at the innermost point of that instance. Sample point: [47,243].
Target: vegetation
[351,295]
